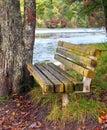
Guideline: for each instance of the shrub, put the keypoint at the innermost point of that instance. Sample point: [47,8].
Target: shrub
[55,23]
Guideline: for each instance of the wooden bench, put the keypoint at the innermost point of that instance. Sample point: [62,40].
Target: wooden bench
[54,79]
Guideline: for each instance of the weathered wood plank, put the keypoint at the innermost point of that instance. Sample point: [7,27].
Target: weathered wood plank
[69,87]
[46,85]
[83,71]
[62,72]
[85,50]
[59,87]
[81,59]
[78,86]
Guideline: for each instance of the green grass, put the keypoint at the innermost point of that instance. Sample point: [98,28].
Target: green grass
[100,80]
[79,108]
[2,99]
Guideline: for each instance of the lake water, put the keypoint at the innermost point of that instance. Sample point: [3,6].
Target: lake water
[46,40]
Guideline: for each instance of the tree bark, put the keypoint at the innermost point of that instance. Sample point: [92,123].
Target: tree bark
[16,44]
[104,5]
[28,34]
[29,29]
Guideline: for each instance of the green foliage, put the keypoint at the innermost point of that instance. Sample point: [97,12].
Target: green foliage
[75,13]
[2,99]
[90,6]
[101,71]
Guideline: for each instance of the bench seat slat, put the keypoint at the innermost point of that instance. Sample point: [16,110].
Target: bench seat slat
[81,49]
[84,60]
[69,87]
[59,87]
[83,71]
[46,85]
[78,86]
[62,72]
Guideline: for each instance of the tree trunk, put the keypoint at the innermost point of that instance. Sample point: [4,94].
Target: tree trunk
[29,29]
[15,51]
[28,34]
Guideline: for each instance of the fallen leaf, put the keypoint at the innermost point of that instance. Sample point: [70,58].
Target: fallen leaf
[97,128]
[12,129]
[83,127]
[7,111]
[14,94]
[38,124]
[102,119]
[14,113]
[23,113]
[78,128]
[18,104]
[102,112]
[5,123]
[35,125]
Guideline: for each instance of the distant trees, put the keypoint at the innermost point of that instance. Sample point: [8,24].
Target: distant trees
[76,13]
[56,10]
[92,5]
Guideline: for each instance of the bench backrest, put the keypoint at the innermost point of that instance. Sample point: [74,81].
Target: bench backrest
[80,58]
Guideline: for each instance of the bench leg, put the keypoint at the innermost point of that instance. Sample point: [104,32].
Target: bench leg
[65,99]
[86,84]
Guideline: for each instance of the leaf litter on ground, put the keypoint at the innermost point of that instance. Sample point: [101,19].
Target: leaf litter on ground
[20,113]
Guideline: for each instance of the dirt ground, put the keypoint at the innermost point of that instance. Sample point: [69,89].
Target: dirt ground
[19,113]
